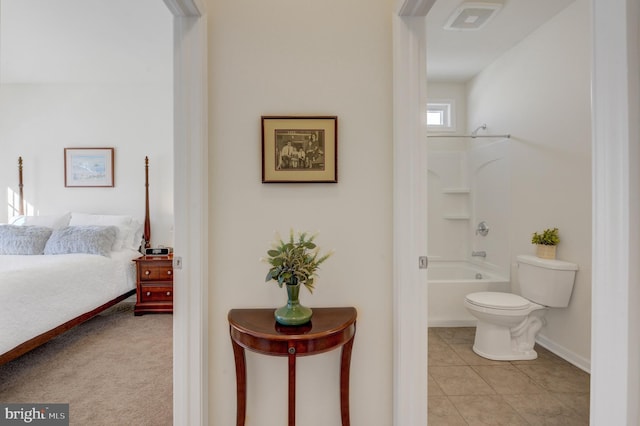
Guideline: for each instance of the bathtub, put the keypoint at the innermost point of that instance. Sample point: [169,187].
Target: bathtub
[449,282]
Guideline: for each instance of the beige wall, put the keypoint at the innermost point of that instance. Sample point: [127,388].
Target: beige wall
[284,58]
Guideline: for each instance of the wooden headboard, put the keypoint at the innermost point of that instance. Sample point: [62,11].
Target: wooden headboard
[147,222]
[20,190]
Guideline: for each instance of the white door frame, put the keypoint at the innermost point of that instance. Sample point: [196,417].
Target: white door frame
[410,375]
[615,295]
[191,210]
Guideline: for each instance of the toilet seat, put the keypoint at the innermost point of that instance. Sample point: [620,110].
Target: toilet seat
[498,300]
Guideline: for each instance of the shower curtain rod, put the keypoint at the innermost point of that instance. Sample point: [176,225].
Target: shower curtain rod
[469,136]
[473,134]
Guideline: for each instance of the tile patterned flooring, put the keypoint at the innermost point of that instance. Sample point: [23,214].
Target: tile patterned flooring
[466,389]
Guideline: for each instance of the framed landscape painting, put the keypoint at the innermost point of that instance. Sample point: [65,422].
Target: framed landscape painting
[299,149]
[88,167]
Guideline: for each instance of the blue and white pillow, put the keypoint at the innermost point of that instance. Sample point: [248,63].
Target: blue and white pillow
[82,239]
[23,240]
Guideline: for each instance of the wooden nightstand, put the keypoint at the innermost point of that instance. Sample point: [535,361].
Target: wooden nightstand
[154,285]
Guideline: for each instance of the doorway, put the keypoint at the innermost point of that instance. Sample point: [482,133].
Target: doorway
[495,100]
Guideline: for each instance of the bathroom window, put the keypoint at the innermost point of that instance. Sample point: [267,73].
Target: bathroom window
[440,115]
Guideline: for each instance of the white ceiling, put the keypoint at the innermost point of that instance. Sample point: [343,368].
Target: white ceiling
[460,55]
[85,41]
[49,41]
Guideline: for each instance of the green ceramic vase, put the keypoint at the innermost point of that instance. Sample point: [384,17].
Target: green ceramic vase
[293,313]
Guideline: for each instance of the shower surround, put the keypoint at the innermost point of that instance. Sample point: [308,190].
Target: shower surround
[467,187]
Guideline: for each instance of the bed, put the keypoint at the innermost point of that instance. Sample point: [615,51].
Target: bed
[59,271]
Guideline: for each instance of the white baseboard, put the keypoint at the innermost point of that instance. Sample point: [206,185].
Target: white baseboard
[569,356]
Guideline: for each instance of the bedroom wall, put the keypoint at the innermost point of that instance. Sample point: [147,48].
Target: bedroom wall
[282,58]
[37,121]
[539,92]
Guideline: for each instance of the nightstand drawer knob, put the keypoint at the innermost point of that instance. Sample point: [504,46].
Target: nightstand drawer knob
[147,272]
[168,293]
[148,293]
[168,272]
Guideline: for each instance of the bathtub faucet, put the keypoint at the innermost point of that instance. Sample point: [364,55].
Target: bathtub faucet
[479,254]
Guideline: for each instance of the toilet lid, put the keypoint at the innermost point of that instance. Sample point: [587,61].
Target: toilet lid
[497,300]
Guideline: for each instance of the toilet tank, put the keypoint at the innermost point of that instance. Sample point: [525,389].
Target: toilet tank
[548,282]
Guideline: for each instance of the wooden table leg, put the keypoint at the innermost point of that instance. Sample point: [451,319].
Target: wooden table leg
[241,383]
[345,367]
[292,386]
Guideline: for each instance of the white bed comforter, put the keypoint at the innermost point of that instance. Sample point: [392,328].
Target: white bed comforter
[38,293]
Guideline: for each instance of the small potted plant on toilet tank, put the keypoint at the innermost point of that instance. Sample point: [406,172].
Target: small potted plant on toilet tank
[546,243]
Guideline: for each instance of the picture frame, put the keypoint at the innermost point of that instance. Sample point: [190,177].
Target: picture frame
[88,167]
[299,149]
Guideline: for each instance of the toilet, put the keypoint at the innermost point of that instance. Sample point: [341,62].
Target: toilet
[508,323]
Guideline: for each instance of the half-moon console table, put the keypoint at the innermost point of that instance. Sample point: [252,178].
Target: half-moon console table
[257,330]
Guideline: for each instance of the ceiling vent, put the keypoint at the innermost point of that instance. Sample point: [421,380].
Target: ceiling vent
[471,16]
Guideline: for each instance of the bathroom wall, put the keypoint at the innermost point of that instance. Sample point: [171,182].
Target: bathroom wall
[539,92]
[456,92]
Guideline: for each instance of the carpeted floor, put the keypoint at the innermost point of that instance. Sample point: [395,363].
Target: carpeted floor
[115,369]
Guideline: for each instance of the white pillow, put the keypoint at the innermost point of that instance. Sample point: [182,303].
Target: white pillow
[17,220]
[132,235]
[50,221]
[122,222]
[135,238]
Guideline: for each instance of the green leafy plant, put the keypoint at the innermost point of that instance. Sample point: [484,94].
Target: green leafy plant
[295,261]
[548,237]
